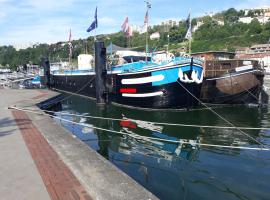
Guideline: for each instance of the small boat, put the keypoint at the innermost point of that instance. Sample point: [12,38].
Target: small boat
[143,84]
[232,82]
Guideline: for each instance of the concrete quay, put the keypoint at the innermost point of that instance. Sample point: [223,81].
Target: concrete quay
[42,160]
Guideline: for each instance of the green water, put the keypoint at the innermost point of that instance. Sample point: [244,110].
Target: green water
[174,171]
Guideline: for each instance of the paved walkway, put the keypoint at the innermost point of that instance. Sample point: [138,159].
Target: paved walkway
[30,168]
[41,160]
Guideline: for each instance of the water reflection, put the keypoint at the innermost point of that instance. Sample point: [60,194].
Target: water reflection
[177,170]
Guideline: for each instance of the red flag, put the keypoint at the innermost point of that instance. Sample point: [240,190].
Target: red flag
[125,25]
[129,31]
[146,18]
[69,39]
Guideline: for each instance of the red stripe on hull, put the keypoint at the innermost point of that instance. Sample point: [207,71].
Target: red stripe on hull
[128,90]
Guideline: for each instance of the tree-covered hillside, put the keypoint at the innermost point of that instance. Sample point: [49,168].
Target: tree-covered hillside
[223,31]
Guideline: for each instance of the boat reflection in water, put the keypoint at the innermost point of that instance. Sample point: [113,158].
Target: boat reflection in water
[182,170]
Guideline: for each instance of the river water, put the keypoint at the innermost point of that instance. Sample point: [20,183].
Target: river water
[175,170]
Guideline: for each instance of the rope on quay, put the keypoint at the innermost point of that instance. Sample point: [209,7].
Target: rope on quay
[158,123]
[76,92]
[227,121]
[139,137]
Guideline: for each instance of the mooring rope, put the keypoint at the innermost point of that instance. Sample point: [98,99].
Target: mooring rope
[156,123]
[146,138]
[227,121]
[91,80]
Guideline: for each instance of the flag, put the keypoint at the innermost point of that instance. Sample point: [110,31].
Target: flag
[189,33]
[145,25]
[69,43]
[146,18]
[125,25]
[94,24]
[126,28]
[69,38]
[189,28]
[188,21]
[155,35]
[129,31]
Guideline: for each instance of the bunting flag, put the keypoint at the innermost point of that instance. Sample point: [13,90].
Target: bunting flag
[69,38]
[125,25]
[189,28]
[126,28]
[146,18]
[188,22]
[94,24]
[145,25]
[130,31]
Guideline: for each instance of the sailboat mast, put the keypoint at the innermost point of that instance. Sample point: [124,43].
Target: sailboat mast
[148,6]
[189,40]
[70,48]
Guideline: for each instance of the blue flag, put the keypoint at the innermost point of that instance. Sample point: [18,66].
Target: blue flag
[94,24]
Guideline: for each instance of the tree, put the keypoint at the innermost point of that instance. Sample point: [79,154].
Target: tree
[231,16]
[255,27]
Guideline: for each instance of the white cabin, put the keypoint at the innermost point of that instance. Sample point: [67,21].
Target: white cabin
[85,62]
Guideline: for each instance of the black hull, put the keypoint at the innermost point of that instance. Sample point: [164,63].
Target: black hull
[238,88]
[174,94]
[79,84]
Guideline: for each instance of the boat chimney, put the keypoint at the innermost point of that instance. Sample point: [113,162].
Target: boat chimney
[100,69]
[46,66]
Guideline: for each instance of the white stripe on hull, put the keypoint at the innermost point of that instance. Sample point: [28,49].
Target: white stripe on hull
[143,80]
[143,95]
[243,68]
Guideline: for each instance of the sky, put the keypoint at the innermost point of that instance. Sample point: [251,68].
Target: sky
[49,21]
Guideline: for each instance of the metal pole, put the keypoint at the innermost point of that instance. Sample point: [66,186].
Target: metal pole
[100,69]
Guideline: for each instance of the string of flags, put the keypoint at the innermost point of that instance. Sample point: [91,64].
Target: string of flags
[128,30]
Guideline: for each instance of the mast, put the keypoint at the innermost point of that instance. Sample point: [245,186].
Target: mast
[146,19]
[70,48]
[190,37]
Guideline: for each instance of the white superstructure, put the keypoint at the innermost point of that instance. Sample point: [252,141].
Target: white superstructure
[85,61]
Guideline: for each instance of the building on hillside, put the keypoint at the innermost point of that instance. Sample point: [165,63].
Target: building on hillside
[263,19]
[242,50]
[263,58]
[170,23]
[197,26]
[260,52]
[260,48]
[210,14]
[220,22]
[265,10]
[23,46]
[247,20]
[214,55]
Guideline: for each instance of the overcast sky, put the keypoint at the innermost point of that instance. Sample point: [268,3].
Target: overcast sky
[24,21]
